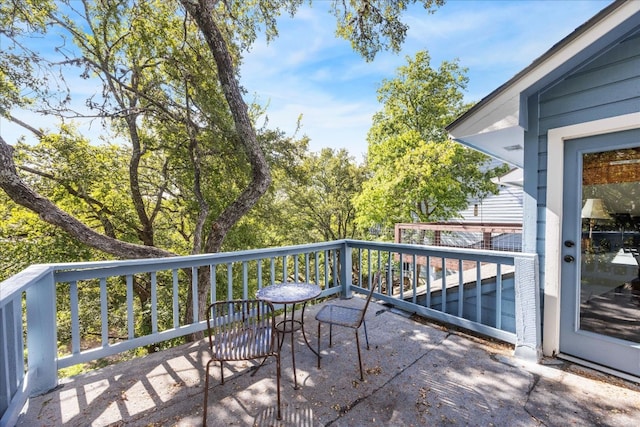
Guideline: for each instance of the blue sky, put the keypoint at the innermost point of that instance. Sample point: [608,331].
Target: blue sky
[308,72]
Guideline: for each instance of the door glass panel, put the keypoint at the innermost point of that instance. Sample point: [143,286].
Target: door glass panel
[610,273]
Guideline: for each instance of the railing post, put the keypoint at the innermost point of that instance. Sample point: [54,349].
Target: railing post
[527,295]
[41,335]
[345,270]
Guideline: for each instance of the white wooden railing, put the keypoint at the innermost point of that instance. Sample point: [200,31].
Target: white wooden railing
[478,290]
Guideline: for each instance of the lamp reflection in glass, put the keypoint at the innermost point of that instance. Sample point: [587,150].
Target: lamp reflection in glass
[594,209]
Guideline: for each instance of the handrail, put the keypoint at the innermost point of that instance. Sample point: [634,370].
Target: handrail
[434,282]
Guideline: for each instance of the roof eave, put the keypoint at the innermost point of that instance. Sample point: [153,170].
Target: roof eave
[503,108]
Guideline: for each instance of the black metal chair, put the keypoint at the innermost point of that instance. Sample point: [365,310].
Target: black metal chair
[348,317]
[241,330]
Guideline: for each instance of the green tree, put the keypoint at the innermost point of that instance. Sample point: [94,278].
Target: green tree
[169,89]
[374,25]
[417,173]
[318,204]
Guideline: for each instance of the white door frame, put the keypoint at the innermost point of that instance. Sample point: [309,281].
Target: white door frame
[553,214]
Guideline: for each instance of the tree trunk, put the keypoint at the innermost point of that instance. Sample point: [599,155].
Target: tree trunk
[202,13]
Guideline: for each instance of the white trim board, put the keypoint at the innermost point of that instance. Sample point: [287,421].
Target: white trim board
[553,214]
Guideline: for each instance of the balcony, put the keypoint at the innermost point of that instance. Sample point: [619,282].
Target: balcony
[416,373]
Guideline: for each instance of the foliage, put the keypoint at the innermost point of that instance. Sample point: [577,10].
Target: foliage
[316,199]
[374,25]
[184,170]
[417,173]
[25,239]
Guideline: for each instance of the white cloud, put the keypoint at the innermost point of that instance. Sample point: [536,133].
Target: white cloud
[309,72]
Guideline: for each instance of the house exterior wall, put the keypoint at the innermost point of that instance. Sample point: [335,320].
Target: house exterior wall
[606,87]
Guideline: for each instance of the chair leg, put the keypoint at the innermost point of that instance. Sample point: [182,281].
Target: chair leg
[359,356]
[255,371]
[366,336]
[222,372]
[319,323]
[279,417]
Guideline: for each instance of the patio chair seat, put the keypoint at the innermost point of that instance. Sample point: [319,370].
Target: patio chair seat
[334,314]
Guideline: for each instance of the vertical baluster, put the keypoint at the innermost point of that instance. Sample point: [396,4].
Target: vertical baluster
[379,256]
[273,270]
[416,273]
[326,269]
[229,281]
[75,318]
[478,293]
[194,293]
[154,302]
[360,267]
[245,279]
[389,274]
[285,272]
[499,296]
[460,289]
[130,322]
[401,268]
[369,270]
[259,272]
[213,282]
[444,285]
[175,301]
[104,310]
[336,262]
[428,286]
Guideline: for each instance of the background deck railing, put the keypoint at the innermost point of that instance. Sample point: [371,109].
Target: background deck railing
[493,236]
[44,305]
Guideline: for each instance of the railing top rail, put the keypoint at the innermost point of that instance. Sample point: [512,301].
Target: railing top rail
[504,257]
[18,282]
[463,226]
[85,270]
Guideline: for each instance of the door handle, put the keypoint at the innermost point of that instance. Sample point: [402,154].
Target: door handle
[569,258]
[569,243]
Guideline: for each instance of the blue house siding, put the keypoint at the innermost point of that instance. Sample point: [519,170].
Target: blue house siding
[606,86]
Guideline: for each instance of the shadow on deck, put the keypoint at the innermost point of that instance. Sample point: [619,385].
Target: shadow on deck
[416,374]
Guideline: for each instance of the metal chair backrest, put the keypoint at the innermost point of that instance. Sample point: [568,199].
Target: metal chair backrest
[241,329]
[374,282]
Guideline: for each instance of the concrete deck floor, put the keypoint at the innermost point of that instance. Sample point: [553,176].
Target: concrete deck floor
[416,374]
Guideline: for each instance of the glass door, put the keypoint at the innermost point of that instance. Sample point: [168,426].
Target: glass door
[600,289]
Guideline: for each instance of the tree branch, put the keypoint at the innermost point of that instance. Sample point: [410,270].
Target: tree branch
[25,196]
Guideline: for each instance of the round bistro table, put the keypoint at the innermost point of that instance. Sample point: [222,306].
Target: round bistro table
[290,294]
